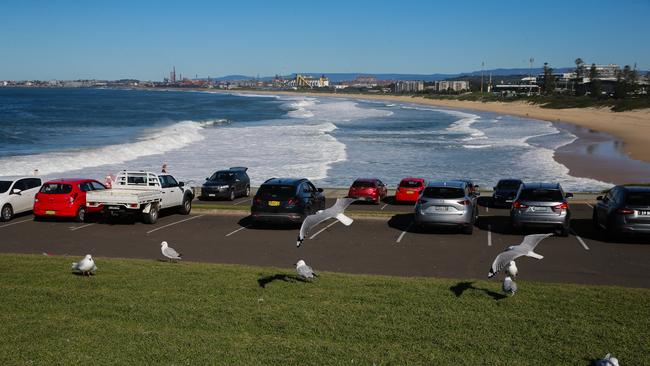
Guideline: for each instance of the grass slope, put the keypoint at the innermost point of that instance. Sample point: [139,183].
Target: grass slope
[149,312]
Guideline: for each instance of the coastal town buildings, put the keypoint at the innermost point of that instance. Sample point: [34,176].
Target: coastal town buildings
[409,86]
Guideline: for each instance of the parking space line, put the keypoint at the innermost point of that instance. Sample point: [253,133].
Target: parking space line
[487,209]
[323,229]
[16,223]
[384,206]
[403,233]
[242,201]
[80,227]
[238,230]
[589,205]
[174,223]
[582,242]
[489,235]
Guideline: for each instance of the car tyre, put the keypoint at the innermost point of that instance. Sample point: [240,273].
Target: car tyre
[186,206]
[563,232]
[594,220]
[232,195]
[248,191]
[152,216]
[81,214]
[7,212]
[468,230]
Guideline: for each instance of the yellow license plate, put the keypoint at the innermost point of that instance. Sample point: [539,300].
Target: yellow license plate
[274,203]
[50,212]
[410,192]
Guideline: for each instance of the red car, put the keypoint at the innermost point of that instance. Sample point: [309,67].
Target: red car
[409,189]
[368,189]
[65,198]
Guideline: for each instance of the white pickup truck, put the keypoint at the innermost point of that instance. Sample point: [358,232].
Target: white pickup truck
[142,193]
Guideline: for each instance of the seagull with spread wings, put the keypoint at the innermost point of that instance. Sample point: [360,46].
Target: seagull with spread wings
[506,259]
[335,212]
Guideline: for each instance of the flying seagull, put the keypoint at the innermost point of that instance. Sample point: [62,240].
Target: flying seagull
[336,212]
[169,252]
[86,266]
[608,360]
[526,248]
[304,271]
[511,269]
[509,286]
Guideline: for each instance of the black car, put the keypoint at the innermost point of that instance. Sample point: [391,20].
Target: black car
[505,192]
[229,184]
[624,209]
[287,200]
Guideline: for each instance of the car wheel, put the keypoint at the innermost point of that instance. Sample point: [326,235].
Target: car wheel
[81,214]
[468,230]
[248,191]
[594,220]
[7,213]
[152,216]
[38,218]
[232,195]
[186,206]
[563,232]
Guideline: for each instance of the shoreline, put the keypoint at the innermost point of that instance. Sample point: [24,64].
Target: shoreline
[612,147]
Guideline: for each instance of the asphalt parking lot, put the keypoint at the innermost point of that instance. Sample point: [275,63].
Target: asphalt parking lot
[387,245]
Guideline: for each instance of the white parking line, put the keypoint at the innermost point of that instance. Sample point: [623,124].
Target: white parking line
[384,206]
[487,209]
[489,235]
[403,233]
[589,205]
[174,223]
[242,201]
[582,242]
[238,230]
[80,227]
[323,229]
[16,223]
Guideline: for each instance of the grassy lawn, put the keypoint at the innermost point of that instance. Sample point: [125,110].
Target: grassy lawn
[150,312]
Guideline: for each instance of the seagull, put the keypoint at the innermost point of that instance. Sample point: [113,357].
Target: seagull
[509,286]
[304,271]
[169,252]
[336,211]
[526,248]
[85,266]
[511,269]
[608,360]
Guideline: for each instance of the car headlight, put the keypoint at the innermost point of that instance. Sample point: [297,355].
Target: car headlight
[223,187]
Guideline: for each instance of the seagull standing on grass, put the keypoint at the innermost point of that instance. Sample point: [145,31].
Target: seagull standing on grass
[304,271]
[509,286]
[335,212]
[169,252]
[508,256]
[608,360]
[86,266]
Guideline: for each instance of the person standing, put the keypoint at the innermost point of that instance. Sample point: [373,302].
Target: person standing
[164,168]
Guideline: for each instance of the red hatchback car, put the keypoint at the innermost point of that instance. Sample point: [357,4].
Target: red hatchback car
[368,189]
[409,189]
[65,198]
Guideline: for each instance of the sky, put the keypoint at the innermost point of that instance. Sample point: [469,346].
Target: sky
[59,39]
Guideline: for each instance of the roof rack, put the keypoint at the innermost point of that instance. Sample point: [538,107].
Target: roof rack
[239,168]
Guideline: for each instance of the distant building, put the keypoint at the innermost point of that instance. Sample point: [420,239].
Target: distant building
[364,81]
[451,85]
[302,81]
[409,86]
[604,71]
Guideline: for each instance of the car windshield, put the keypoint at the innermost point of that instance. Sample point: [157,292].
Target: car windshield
[508,184]
[363,184]
[227,176]
[410,184]
[4,185]
[541,195]
[638,198]
[444,192]
[276,191]
[56,188]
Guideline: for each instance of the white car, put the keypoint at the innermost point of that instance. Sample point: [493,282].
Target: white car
[17,195]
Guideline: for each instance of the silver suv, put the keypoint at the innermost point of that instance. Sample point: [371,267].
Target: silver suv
[541,205]
[624,209]
[448,203]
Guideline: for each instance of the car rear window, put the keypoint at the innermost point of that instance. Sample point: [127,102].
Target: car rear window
[276,191]
[4,185]
[227,176]
[363,184]
[508,184]
[410,184]
[56,188]
[443,192]
[638,198]
[541,195]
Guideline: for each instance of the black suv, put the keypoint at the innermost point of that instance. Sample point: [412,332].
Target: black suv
[505,192]
[229,184]
[286,200]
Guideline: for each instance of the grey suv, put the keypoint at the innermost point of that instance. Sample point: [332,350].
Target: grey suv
[447,203]
[624,209]
[541,205]
[228,184]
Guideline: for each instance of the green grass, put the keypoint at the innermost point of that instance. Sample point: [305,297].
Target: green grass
[150,312]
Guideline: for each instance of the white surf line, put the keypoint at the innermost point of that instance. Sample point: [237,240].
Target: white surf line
[16,223]
[323,229]
[384,206]
[489,235]
[582,242]
[399,238]
[174,223]
[242,201]
[238,230]
[80,227]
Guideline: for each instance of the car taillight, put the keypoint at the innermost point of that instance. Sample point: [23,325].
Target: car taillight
[560,207]
[257,201]
[292,201]
[465,202]
[518,204]
[134,205]
[624,211]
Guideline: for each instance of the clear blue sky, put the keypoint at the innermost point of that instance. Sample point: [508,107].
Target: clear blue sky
[144,39]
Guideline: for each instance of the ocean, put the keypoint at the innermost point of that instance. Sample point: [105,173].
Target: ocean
[96,132]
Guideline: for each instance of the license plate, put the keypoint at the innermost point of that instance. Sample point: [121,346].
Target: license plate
[211,194]
[644,213]
[440,208]
[410,192]
[50,212]
[274,203]
[538,209]
[113,207]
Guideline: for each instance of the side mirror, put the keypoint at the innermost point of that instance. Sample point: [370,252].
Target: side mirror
[320,190]
[16,191]
[599,198]
[494,188]
[568,195]
[181,184]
